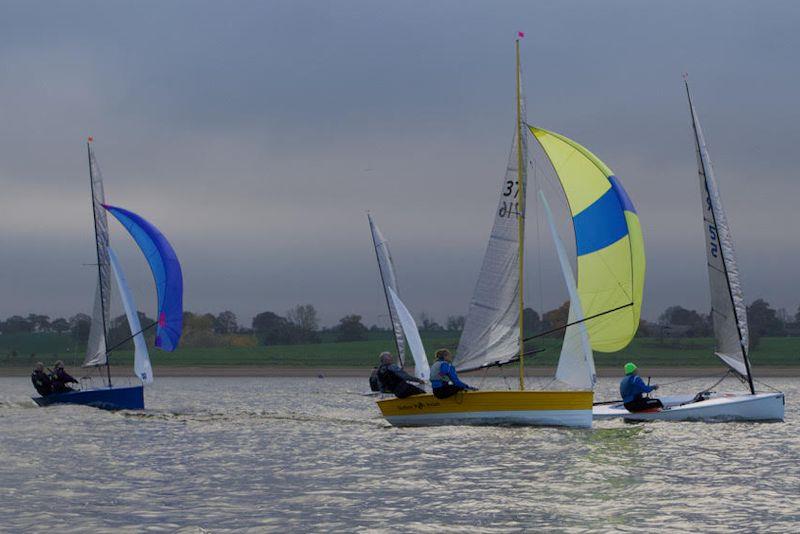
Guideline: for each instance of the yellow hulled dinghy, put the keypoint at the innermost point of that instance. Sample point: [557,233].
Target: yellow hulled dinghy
[604,301]
[530,408]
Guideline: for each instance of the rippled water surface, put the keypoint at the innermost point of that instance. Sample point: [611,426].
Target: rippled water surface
[303,454]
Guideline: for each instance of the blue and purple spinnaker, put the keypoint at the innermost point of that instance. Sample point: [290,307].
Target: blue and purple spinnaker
[166,272]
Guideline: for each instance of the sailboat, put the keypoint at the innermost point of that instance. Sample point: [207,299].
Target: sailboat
[406,333]
[729,315]
[166,271]
[605,300]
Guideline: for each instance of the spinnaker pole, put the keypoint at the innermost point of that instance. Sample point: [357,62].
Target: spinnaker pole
[520,222]
[99,266]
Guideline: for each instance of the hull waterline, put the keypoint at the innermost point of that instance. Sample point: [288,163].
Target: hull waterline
[719,407]
[525,408]
[125,398]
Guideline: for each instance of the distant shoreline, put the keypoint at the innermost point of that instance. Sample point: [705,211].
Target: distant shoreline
[363,372]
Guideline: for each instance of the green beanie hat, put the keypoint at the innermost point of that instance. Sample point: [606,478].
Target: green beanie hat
[630,367]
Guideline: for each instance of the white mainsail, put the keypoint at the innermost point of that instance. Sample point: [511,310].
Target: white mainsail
[576,363]
[96,347]
[421,367]
[491,330]
[141,358]
[389,281]
[728,310]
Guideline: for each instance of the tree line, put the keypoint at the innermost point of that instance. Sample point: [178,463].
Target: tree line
[301,325]
[762,319]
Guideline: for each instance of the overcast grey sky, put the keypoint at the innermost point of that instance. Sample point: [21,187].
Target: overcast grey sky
[257,134]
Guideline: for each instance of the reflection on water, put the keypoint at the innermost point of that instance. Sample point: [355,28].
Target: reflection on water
[270,454]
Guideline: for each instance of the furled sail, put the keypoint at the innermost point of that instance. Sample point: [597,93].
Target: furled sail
[728,309]
[96,346]
[389,281]
[576,363]
[491,329]
[608,237]
[141,358]
[421,367]
[166,271]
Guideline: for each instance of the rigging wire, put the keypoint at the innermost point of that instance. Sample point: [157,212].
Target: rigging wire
[718,382]
[682,380]
[767,386]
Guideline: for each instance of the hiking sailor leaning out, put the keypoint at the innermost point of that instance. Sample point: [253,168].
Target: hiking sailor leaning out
[62,379]
[393,379]
[444,379]
[42,381]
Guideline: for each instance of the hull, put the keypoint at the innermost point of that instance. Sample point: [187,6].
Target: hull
[127,398]
[527,408]
[718,407]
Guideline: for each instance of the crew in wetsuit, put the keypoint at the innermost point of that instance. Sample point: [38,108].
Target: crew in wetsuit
[632,389]
[394,380]
[444,380]
[61,378]
[374,383]
[41,380]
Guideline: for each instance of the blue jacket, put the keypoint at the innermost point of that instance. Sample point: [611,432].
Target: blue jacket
[448,371]
[633,387]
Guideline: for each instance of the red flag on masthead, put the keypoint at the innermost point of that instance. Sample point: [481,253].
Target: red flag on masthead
[521,34]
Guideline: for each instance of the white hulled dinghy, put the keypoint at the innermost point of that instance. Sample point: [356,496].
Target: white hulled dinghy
[168,278]
[608,293]
[729,316]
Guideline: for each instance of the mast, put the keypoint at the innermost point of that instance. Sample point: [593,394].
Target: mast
[385,292]
[520,222]
[97,248]
[745,358]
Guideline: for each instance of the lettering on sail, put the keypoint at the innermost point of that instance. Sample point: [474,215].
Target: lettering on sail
[713,240]
[509,207]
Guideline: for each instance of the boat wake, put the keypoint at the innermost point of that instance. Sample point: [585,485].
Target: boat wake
[248,415]
[10,405]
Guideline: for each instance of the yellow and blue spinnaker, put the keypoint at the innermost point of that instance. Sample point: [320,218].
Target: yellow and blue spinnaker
[608,241]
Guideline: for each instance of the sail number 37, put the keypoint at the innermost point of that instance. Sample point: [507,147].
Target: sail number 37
[509,207]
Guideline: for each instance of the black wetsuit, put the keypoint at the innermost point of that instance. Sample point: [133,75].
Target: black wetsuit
[395,380]
[374,382]
[42,383]
[643,403]
[60,381]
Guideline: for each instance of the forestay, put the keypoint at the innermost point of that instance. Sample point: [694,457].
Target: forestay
[389,281]
[491,329]
[141,358]
[608,238]
[421,367]
[96,346]
[166,271]
[728,309]
[576,363]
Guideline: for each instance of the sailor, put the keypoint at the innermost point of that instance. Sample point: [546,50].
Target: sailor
[374,383]
[394,380]
[41,380]
[632,389]
[61,378]
[444,380]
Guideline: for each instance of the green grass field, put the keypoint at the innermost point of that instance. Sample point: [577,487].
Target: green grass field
[25,349]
